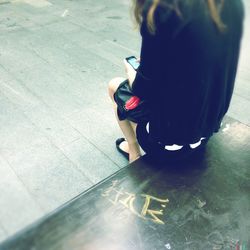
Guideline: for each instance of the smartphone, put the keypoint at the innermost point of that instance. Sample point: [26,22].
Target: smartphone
[132,60]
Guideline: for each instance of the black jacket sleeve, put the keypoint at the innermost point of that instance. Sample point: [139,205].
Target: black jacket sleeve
[147,70]
[153,60]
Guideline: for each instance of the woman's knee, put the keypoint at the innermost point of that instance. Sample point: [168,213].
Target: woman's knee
[113,85]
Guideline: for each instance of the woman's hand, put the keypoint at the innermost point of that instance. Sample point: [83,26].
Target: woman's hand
[131,73]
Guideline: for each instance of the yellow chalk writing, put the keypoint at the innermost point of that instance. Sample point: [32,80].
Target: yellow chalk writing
[153,213]
[118,196]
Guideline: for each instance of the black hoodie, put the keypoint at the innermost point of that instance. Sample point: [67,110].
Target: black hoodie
[188,69]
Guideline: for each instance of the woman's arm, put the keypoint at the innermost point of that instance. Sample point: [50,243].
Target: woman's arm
[142,80]
[154,50]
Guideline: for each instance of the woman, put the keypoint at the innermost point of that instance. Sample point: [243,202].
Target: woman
[185,81]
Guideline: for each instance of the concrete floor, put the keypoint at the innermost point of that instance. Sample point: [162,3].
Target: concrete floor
[57,128]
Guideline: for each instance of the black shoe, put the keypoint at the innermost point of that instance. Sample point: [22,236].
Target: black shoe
[118,143]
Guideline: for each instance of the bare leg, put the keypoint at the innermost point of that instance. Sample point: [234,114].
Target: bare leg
[128,128]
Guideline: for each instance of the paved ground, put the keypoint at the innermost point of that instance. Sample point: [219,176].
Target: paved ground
[57,128]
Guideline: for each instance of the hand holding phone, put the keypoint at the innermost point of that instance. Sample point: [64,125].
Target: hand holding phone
[133,61]
[131,65]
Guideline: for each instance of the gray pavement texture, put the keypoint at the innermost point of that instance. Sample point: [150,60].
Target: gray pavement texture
[57,127]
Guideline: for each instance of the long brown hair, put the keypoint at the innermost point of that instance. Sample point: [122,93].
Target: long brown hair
[214,10]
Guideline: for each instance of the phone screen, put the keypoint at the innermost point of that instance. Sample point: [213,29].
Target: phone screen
[133,62]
